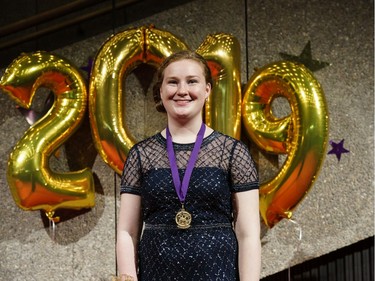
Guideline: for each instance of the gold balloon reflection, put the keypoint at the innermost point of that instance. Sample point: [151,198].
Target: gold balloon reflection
[32,183]
[223,108]
[116,59]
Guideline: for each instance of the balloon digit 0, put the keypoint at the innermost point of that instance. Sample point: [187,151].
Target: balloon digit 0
[118,57]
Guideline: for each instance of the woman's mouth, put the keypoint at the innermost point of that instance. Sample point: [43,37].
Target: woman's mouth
[182,102]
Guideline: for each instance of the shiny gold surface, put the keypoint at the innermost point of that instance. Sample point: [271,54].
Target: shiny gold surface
[119,56]
[223,108]
[302,135]
[32,183]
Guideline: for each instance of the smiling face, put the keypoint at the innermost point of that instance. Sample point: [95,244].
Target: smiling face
[184,89]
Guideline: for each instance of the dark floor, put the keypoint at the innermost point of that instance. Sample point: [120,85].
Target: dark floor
[351,263]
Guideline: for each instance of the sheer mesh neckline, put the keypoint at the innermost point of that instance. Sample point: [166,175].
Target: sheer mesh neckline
[186,146]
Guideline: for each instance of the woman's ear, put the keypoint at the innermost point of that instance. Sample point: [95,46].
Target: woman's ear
[208,90]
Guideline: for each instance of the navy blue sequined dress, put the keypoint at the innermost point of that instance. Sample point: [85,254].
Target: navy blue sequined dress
[208,249]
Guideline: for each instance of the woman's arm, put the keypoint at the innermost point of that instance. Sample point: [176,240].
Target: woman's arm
[128,232]
[247,228]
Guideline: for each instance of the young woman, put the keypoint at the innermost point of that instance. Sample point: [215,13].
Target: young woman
[191,191]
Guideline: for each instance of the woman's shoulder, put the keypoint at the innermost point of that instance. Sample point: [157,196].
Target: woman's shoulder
[221,137]
[150,142]
[229,142]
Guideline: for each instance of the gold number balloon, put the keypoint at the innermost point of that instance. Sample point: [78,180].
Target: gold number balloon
[33,184]
[119,56]
[302,135]
[223,109]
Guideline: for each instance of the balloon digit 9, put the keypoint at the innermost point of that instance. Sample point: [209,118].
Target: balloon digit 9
[33,184]
[118,57]
[302,135]
[223,109]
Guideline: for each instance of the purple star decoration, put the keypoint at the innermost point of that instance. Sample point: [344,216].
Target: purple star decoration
[338,149]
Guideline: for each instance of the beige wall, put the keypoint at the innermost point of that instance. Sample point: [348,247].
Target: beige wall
[337,211]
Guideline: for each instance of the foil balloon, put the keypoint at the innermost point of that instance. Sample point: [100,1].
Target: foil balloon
[33,184]
[116,59]
[302,135]
[223,108]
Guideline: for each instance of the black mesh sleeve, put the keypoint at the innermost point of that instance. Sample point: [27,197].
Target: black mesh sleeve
[131,174]
[243,171]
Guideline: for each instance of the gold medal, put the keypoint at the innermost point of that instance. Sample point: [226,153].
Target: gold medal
[183,218]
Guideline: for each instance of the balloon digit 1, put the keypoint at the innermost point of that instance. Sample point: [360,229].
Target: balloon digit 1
[223,109]
[302,135]
[33,184]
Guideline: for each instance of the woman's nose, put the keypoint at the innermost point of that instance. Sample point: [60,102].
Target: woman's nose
[182,89]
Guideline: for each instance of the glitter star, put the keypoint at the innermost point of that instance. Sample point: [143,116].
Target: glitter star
[306,59]
[338,149]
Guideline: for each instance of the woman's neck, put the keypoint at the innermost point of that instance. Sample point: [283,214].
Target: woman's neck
[184,132]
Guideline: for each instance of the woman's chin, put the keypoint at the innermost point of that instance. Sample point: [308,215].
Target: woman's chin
[182,110]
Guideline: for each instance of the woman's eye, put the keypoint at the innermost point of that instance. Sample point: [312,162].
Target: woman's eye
[193,81]
[172,82]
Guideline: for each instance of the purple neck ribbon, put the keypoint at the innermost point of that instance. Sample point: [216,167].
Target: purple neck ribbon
[182,188]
